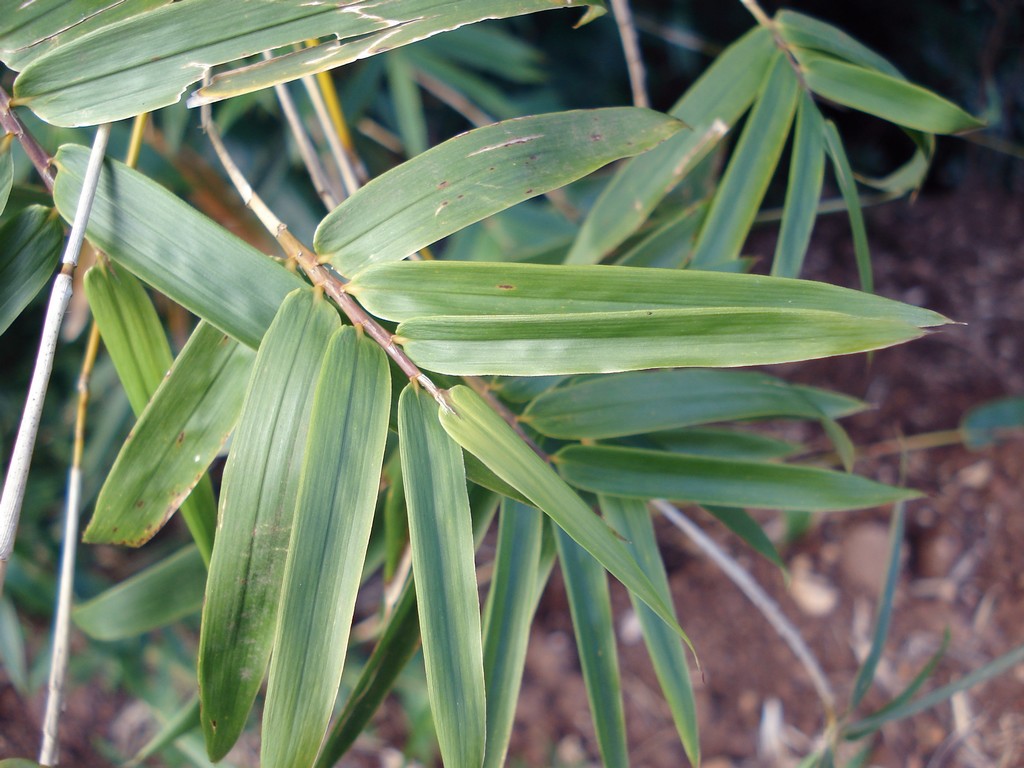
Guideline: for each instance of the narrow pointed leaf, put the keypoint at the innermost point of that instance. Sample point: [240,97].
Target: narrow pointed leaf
[586,586]
[406,290]
[174,440]
[477,174]
[883,95]
[441,536]
[724,443]
[668,245]
[747,528]
[607,342]
[261,480]
[511,603]
[174,45]
[138,347]
[482,432]
[407,103]
[6,171]
[750,169]
[396,520]
[807,32]
[806,175]
[155,597]
[848,188]
[635,403]
[644,474]
[408,22]
[632,520]
[30,245]
[174,248]
[722,93]
[333,515]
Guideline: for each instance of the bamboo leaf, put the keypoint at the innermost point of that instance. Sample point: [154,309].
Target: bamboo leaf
[644,474]
[155,597]
[174,440]
[183,721]
[669,244]
[333,515]
[6,171]
[636,403]
[13,655]
[483,433]
[409,22]
[806,175]
[722,93]
[747,528]
[632,520]
[477,174]
[724,443]
[35,27]
[407,103]
[883,95]
[586,585]
[30,245]
[441,536]
[406,290]
[989,422]
[261,480]
[135,339]
[174,248]
[804,31]
[848,188]
[508,614]
[172,46]
[750,169]
[607,342]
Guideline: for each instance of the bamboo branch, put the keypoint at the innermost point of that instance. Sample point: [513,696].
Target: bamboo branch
[631,47]
[761,600]
[36,154]
[349,177]
[17,472]
[320,275]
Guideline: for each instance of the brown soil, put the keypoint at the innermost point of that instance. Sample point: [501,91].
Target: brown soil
[961,254]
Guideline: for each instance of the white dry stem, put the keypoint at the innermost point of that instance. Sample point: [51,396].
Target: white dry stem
[48,754]
[324,186]
[349,177]
[17,472]
[761,600]
[631,47]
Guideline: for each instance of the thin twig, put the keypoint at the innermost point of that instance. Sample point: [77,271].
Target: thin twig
[36,154]
[761,600]
[349,177]
[48,754]
[323,185]
[320,275]
[17,472]
[448,95]
[758,13]
[631,47]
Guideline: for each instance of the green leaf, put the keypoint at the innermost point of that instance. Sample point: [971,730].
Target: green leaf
[155,597]
[669,244]
[748,529]
[36,27]
[407,103]
[174,248]
[261,480]
[848,187]
[183,721]
[750,169]
[174,440]
[406,290]
[511,604]
[635,403]
[883,616]
[396,520]
[992,421]
[807,32]
[644,474]
[6,171]
[806,174]
[586,586]
[30,245]
[722,93]
[407,21]
[13,656]
[18,762]
[724,443]
[477,174]
[333,516]
[146,62]
[627,341]
[883,95]
[633,522]
[441,537]
[483,433]
[135,339]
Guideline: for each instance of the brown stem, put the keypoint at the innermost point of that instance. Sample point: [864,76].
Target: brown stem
[12,125]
